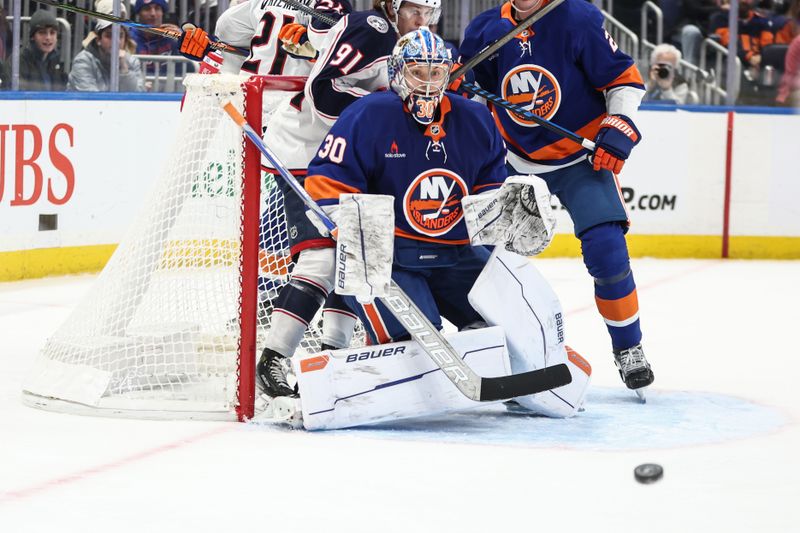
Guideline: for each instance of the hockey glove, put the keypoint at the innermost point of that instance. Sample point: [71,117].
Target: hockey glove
[194,42]
[295,41]
[614,142]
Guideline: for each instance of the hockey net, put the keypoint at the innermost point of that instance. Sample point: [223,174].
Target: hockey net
[172,325]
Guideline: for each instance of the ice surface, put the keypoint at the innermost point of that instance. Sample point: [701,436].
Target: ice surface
[722,419]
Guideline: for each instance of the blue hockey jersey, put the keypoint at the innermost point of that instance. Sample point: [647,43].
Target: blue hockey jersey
[377,147]
[355,55]
[558,69]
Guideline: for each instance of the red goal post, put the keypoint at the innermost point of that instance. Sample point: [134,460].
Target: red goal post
[171,327]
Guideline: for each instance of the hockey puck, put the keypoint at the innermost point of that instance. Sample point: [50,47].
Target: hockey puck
[648,473]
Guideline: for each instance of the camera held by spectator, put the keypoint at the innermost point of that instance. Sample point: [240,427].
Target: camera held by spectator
[666,83]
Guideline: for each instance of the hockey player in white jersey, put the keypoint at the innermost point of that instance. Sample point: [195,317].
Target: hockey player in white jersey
[257,26]
[351,64]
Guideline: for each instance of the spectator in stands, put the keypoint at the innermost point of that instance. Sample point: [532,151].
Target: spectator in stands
[40,66]
[755,32]
[151,12]
[788,26]
[665,83]
[697,16]
[789,89]
[91,68]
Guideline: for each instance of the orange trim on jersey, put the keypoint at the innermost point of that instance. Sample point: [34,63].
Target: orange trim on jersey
[444,108]
[619,310]
[557,150]
[374,319]
[506,13]
[324,188]
[629,76]
[400,233]
[313,363]
[576,359]
[479,187]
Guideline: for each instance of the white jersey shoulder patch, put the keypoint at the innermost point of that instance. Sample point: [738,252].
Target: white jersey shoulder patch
[378,23]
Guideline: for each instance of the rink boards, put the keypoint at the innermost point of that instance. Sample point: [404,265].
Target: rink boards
[74,172]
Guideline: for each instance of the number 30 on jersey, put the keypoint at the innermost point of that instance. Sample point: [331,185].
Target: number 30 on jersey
[333,148]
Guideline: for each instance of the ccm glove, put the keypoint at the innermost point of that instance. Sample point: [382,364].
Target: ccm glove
[295,41]
[194,42]
[614,142]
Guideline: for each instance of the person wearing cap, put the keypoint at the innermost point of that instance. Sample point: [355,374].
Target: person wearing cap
[40,66]
[151,12]
[91,68]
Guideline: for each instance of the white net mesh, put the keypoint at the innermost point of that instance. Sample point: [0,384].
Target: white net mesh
[159,332]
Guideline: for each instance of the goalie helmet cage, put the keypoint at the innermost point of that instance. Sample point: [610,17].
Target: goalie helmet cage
[170,327]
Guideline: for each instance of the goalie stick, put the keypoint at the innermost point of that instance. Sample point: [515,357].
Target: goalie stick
[470,384]
[216,45]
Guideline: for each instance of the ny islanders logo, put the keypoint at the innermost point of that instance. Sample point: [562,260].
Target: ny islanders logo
[432,202]
[535,89]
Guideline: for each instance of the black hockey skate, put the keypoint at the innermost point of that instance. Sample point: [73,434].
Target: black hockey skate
[634,369]
[272,371]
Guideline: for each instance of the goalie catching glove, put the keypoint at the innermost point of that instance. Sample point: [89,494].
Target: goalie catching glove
[295,41]
[364,244]
[518,216]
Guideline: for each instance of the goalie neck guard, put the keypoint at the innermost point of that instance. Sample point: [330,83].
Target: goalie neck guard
[419,69]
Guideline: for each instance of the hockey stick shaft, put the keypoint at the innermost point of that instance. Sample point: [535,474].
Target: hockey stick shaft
[172,34]
[322,17]
[496,45]
[524,113]
[414,320]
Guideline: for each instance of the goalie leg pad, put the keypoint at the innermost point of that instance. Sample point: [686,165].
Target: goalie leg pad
[353,387]
[511,293]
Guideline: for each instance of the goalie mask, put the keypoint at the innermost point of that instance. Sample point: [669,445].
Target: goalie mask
[419,71]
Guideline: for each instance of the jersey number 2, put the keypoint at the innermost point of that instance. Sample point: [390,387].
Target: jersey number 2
[263,39]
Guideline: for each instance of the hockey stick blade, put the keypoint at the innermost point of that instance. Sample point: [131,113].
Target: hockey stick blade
[533,382]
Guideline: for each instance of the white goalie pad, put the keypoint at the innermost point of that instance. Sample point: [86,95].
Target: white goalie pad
[357,386]
[510,292]
[364,245]
[517,217]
